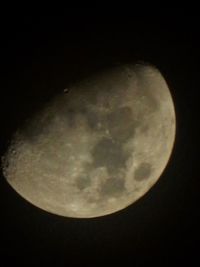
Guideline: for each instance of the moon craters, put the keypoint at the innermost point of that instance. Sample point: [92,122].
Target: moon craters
[83,181]
[109,154]
[121,124]
[113,186]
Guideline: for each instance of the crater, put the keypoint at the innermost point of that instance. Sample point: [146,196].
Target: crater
[150,102]
[113,187]
[73,113]
[143,171]
[83,182]
[154,102]
[145,128]
[121,124]
[109,154]
[93,120]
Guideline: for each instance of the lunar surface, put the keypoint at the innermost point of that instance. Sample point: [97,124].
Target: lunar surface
[97,147]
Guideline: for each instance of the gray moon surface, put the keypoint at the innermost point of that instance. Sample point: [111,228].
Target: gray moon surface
[95,148]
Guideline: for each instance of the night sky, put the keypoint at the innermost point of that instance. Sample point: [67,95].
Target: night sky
[40,56]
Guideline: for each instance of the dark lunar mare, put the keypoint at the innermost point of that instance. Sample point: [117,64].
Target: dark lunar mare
[143,171]
[109,154]
[121,124]
[113,186]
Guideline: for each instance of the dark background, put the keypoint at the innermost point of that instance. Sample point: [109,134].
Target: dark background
[43,54]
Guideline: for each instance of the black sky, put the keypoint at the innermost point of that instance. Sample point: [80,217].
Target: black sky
[40,56]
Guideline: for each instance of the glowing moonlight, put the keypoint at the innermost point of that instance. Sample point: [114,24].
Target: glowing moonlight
[98,148]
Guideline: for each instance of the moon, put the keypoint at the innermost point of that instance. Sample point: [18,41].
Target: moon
[97,147]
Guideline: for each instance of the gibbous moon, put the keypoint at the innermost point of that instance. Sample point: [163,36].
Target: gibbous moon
[97,147]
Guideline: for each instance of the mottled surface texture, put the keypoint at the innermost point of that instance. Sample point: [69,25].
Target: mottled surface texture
[98,148]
